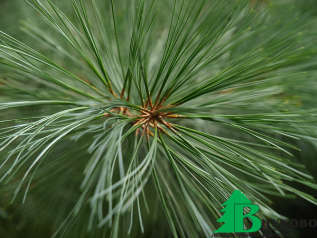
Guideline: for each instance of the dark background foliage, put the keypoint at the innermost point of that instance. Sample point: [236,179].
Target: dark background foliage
[32,220]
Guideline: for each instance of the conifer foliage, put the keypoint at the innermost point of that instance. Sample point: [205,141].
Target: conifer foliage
[150,107]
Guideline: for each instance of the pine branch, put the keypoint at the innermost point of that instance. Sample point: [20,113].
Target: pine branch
[161,103]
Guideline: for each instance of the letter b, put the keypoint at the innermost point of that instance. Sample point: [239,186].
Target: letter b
[240,216]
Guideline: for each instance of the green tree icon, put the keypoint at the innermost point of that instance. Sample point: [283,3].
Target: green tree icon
[234,214]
